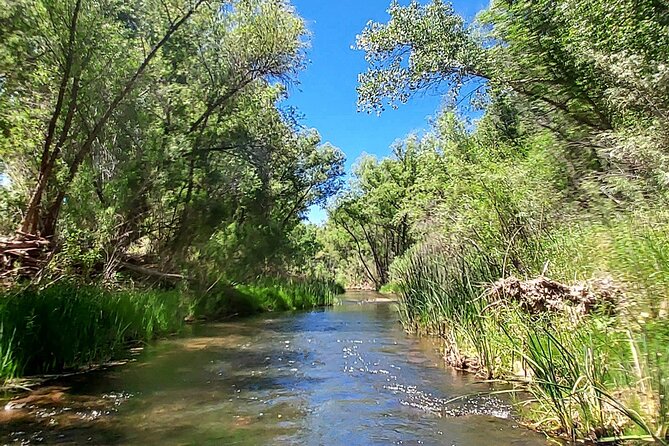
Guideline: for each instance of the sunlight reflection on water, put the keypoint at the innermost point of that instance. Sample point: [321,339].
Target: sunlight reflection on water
[346,375]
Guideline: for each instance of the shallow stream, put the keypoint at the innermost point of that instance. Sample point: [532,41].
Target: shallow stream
[346,375]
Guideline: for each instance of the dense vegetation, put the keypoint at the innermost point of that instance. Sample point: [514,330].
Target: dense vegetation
[69,325]
[151,173]
[146,155]
[547,169]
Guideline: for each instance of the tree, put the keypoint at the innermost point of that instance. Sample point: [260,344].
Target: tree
[420,48]
[585,72]
[165,127]
[373,211]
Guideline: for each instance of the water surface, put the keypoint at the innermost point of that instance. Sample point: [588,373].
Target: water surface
[346,375]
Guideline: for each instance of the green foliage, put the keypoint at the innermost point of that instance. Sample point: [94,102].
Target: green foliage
[389,288]
[69,325]
[565,174]
[420,47]
[292,295]
[371,216]
[454,188]
[155,132]
[632,248]
[592,73]
[266,295]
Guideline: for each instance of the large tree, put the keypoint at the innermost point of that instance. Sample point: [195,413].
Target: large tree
[150,126]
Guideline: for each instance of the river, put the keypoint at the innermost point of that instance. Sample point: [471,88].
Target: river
[346,375]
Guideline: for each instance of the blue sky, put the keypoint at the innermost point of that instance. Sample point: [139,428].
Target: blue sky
[326,93]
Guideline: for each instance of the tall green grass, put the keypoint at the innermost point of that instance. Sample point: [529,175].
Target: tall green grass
[596,378]
[267,295]
[440,293]
[68,325]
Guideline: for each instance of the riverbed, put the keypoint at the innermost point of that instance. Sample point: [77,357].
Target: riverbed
[346,375]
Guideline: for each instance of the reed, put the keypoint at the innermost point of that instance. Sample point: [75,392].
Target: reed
[291,294]
[265,295]
[598,378]
[68,325]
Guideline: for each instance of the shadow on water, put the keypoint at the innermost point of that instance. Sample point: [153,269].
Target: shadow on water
[346,375]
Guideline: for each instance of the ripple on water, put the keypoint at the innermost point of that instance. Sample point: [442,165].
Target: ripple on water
[345,376]
[488,405]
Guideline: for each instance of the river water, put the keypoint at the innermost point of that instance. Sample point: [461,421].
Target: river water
[346,375]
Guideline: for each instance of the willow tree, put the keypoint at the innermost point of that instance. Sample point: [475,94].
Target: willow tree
[151,126]
[207,128]
[92,57]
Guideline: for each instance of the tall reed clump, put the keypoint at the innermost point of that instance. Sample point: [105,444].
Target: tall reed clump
[440,293]
[570,370]
[67,325]
[594,380]
[633,250]
[601,376]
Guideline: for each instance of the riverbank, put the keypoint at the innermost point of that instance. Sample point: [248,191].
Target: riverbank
[592,351]
[67,326]
[346,374]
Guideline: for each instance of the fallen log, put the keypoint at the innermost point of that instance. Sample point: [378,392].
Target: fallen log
[23,256]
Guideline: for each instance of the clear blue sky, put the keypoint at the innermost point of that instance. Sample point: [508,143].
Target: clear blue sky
[326,93]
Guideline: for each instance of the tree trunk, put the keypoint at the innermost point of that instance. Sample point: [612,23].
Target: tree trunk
[30,222]
[51,218]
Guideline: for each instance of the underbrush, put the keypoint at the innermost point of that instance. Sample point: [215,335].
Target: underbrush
[602,376]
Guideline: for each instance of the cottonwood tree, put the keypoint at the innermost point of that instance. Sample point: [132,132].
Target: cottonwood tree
[372,212]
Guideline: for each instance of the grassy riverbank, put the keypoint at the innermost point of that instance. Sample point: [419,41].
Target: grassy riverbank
[67,326]
[596,376]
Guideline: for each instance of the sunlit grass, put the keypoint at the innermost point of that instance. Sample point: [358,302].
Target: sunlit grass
[68,325]
[267,295]
[600,377]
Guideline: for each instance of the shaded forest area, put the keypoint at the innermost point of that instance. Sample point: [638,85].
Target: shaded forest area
[151,172]
[528,228]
